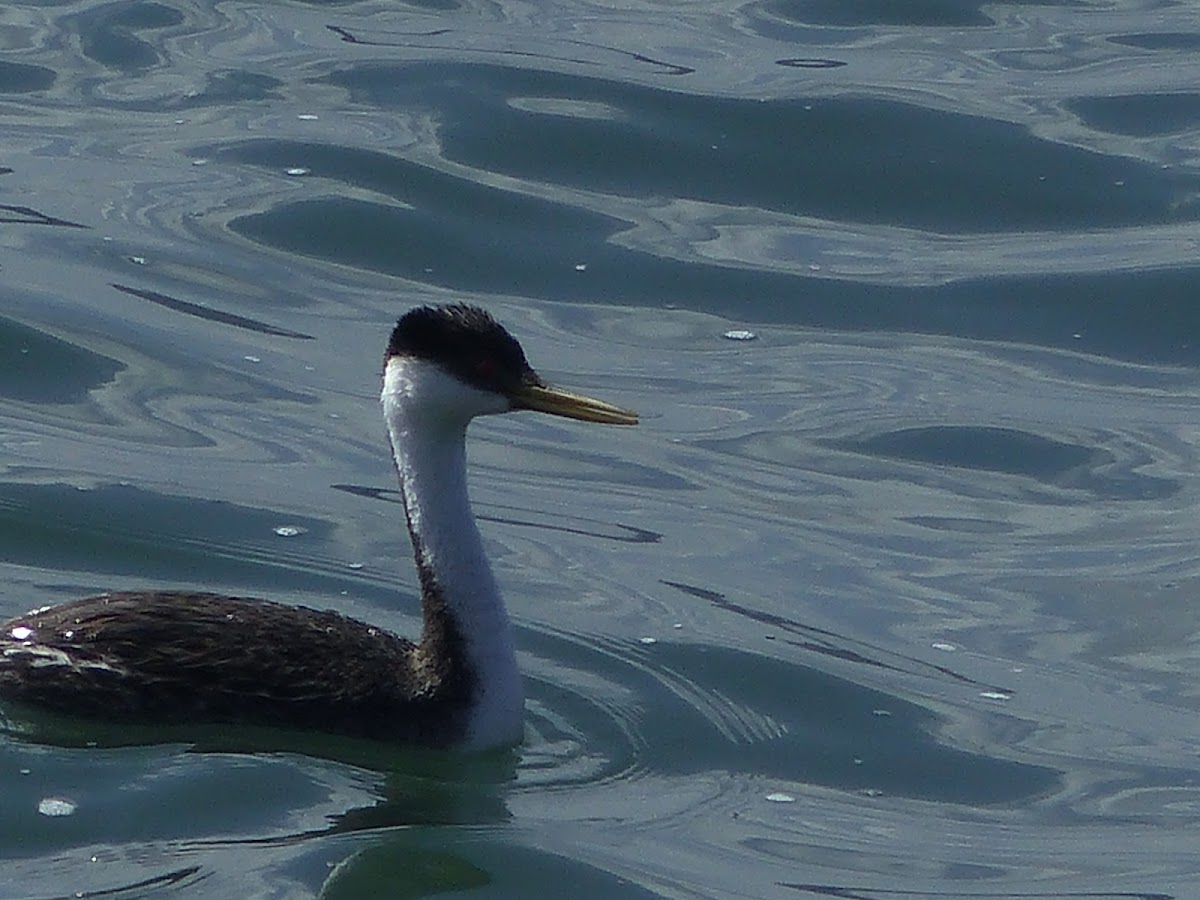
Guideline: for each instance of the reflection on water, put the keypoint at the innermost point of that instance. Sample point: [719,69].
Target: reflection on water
[702,709]
[41,369]
[796,156]
[1143,115]
[117,530]
[1016,453]
[896,598]
[941,13]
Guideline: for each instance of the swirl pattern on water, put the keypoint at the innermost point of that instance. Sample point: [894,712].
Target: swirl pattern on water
[897,596]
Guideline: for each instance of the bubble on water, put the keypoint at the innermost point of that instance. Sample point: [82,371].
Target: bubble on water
[289,530]
[740,334]
[56,806]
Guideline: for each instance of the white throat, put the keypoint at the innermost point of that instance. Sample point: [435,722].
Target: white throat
[427,413]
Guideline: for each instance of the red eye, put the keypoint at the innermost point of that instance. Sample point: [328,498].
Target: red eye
[485,368]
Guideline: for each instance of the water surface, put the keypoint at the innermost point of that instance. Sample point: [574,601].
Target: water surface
[895,598]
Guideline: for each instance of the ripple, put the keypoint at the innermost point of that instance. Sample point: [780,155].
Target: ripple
[666,142]
[964,238]
[666,709]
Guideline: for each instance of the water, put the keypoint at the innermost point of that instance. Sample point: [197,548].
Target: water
[896,599]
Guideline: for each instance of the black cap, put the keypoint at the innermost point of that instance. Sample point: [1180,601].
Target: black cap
[466,342]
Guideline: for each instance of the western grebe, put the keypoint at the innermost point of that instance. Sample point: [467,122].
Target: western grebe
[188,658]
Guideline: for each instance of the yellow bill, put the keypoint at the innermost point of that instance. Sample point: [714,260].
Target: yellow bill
[557,402]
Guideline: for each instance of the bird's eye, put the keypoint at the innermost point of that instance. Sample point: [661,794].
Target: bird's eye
[485,368]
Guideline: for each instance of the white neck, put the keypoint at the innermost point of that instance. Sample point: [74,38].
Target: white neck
[427,413]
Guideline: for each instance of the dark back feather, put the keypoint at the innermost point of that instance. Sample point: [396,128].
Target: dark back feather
[187,658]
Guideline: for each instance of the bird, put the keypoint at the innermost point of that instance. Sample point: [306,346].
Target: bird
[190,657]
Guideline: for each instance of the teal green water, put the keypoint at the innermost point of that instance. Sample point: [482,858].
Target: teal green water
[895,598]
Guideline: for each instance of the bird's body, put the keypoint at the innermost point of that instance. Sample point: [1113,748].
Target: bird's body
[189,658]
[179,658]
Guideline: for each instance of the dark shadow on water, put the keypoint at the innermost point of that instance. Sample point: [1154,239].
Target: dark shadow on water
[21,78]
[401,845]
[560,523]
[1140,115]
[439,228]
[1169,41]
[129,38]
[111,34]
[129,531]
[431,830]
[209,314]
[1011,452]
[181,878]
[26,215]
[809,62]
[849,158]
[1003,450]
[553,49]
[870,13]
[420,786]
[393,867]
[39,368]
[415,864]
